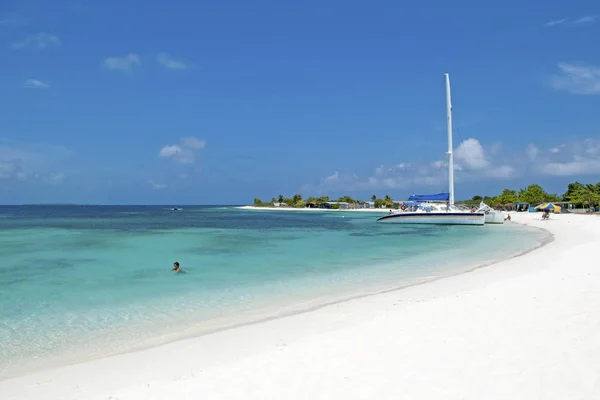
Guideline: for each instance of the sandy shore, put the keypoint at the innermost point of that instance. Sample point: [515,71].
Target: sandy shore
[525,328]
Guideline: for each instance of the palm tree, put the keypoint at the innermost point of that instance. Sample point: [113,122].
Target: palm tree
[373,198]
[280,199]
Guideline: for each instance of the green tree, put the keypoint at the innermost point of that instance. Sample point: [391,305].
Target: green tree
[507,196]
[297,199]
[387,201]
[583,195]
[477,198]
[573,190]
[374,198]
[346,199]
[280,199]
[533,194]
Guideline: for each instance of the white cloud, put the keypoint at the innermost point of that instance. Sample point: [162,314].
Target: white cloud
[586,20]
[574,158]
[556,22]
[532,151]
[474,163]
[402,166]
[184,152]
[56,178]
[572,168]
[470,153]
[502,172]
[169,62]
[577,78]
[39,41]
[193,142]
[557,149]
[333,177]
[439,164]
[157,186]
[169,151]
[125,63]
[20,160]
[35,84]
[9,168]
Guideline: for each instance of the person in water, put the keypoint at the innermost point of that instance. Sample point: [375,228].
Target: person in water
[176,267]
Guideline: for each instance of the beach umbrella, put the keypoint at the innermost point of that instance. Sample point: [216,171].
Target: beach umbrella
[549,207]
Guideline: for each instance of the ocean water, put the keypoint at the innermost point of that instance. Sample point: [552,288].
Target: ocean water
[78,282]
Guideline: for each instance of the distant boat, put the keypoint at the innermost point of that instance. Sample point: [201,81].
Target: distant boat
[423,209]
[176,209]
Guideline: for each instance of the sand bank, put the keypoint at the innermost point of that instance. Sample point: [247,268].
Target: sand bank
[525,328]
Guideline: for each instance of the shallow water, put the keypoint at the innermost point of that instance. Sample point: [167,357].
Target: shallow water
[86,281]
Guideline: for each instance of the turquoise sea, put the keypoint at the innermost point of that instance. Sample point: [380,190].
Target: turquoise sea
[78,282]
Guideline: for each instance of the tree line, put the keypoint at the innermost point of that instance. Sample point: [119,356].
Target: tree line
[298,201]
[579,194]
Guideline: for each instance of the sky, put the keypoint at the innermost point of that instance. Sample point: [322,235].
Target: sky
[181,102]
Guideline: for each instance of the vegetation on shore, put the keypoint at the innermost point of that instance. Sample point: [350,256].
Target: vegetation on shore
[579,194]
[298,202]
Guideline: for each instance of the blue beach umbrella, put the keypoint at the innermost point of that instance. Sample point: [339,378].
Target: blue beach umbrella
[549,207]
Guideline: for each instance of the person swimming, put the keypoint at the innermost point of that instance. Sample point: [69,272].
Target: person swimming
[176,267]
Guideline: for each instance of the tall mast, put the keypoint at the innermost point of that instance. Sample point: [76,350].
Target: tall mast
[450,155]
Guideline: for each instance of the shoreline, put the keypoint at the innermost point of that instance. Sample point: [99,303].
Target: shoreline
[355,313]
[263,313]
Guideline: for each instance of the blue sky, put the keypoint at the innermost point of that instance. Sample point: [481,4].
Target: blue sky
[186,102]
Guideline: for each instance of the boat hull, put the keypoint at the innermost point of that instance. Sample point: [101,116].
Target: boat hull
[494,218]
[446,218]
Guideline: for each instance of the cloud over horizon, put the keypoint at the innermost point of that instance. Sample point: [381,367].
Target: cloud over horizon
[575,158]
[22,161]
[473,162]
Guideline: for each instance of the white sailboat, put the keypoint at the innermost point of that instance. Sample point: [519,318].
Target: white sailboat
[423,210]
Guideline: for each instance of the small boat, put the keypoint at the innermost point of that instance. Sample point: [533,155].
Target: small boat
[491,216]
[425,210]
[176,209]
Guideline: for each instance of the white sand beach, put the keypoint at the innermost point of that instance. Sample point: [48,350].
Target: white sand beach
[525,328]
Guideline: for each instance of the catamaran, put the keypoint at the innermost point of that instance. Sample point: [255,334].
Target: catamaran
[423,209]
